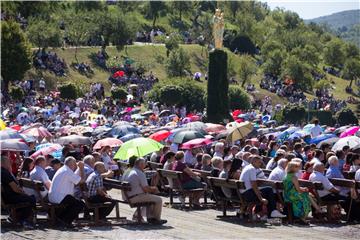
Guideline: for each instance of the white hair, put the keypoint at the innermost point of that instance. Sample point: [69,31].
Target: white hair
[88,158]
[318,165]
[218,146]
[332,160]
[68,160]
[282,162]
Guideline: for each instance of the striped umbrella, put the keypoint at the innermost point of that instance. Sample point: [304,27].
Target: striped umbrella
[37,132]
[48,148]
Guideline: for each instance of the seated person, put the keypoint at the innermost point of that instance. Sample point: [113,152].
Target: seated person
[333,171]
[142,192]
[273,162]
[190,179]
[39,174]
[97,192]
[217,166]
[55,165]
[252,193]
[225,174]
[278,174]
[62,191]
[206,162]
[12,193]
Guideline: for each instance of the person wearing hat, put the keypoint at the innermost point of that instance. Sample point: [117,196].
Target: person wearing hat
[142,192]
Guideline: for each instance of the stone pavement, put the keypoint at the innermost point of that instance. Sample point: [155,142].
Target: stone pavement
[201,224]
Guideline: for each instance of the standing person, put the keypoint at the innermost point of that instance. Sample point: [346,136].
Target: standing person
[142,192]
[316,130]
[42,85]
[12,193]
[97,192]
[252,193]
[62,191]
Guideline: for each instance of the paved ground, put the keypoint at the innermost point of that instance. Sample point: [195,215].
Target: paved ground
[201,224]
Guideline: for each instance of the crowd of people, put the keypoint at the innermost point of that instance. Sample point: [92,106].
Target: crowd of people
[48,60]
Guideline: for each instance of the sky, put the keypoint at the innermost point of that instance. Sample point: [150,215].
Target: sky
[308,9]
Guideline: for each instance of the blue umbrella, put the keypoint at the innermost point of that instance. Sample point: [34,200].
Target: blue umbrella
[130,136]
[57,154]
[122,130]
[321,138]
[284,135]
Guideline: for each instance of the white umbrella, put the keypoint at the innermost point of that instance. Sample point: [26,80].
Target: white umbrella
[13,145]
[74,139]
[351,141]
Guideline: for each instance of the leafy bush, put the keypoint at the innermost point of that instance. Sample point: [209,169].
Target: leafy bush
[322,84]
[324,117]
[69,91]
[178,63]
[346,116]
[17,93]
[238,99]
[119,93]
[172,43]
[180,93]
[294,114]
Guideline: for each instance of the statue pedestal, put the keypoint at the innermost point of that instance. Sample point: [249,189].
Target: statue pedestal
[217,87]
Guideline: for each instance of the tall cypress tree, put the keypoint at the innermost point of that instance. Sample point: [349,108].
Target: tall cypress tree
[217,88]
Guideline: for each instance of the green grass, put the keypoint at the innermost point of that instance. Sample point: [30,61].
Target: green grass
[153,59]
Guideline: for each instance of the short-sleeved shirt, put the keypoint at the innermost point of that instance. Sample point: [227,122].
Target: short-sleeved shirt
[278,174]
[6,178]
[137,180]
[180,166]
[248,175]
[63,184]
[319,177]
[39,174]
[94,182]
[315,131]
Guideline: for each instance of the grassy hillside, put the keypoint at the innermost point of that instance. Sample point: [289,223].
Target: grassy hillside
[153,57]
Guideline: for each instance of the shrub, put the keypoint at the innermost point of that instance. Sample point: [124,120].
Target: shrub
[238,98]
[69,91]
[346,116]
[119,93]
[178,63]
[171,43]
[294,114]
[324,117]
[179,92]
[17,93]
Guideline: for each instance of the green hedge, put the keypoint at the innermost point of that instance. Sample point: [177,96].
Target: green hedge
[17,93]
[325,117]
[346,116]
[238,98]
[119,93]
[217,88]
[69,91]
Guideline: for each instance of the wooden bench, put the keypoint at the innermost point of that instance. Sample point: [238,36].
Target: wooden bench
[125,188]
[44,205]
[349,175]
[154,165]
[176,177]
[204,177]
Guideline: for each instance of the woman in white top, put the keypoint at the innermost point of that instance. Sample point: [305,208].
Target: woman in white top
[106,158]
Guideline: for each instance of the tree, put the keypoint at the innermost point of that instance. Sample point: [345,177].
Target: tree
[238,98]
[351,70]
[154,10]
[171,43]
[308,54]
[43,34]
[274,62]
[171,95]
[178,63]
[351,50]
[69,91]
[247,68]
[78,28]
[122,29]
[181,6]
[15,53]
[298,71]
[334,53]
[346,116]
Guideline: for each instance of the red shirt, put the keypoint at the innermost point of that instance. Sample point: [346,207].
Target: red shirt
[305,176]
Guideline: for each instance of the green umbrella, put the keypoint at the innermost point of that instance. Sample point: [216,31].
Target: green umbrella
[137,147]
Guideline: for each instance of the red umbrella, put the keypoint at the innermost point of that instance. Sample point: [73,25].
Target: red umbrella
[37,132]
[119,74]
[160,135]
[15,127]
[47,150]
[214,128]
[195,143]
[112,142]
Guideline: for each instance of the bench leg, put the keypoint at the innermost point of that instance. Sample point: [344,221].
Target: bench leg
[97,217]
[117,210]
[139,216]
[205,197]
[171,197]
[224,203]
[52,216]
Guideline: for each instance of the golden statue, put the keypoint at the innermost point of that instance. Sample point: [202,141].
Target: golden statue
[218,28]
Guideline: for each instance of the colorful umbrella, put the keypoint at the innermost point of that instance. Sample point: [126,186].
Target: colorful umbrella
[330,141]
[160,135]
[118,74]
[112,142]
[214,128]
[13,145]
[195,143]
[47,149]
[239,132]
[349,132]
[351,141]
[74,139]
[321,138]
[137,147]
[9,134]
[37,132]
[187,135]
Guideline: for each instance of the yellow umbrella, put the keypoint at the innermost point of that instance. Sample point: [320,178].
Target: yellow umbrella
[2,124]
[239,132]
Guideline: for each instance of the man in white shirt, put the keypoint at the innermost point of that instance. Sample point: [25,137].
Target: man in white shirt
[142,192]
[252,193]
[278,174]
[38,173]
[62,191]
[316,130]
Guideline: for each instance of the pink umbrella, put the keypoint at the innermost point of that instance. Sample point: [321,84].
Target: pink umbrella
[349,132]
[195,143]
[37,132]
[47,150]
[214,128]
[112,142]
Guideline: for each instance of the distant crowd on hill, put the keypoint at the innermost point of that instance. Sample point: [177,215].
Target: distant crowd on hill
[48,60]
